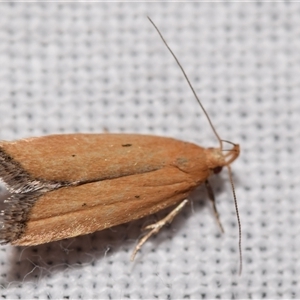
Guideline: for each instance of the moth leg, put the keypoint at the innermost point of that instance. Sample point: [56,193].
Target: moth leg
[211,197]
[157,226]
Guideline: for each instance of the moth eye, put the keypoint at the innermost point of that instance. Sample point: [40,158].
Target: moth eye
[217,170]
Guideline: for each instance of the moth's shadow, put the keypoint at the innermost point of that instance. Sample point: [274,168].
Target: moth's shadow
[32,263]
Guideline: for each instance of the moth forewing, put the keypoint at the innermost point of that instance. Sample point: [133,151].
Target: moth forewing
[149,173]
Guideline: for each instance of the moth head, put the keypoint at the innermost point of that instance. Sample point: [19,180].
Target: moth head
[218,158]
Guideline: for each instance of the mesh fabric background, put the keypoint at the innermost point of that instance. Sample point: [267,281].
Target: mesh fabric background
[87,67]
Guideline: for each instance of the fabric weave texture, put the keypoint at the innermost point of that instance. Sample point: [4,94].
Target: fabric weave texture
[91,67]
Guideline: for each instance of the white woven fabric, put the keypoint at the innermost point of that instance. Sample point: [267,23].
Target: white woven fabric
[87,67]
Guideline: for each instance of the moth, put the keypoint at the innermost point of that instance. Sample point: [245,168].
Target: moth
[67,185]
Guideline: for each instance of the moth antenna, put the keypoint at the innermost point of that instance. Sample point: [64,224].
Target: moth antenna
[219,139]
[229,142]
[189,83]
[238,219]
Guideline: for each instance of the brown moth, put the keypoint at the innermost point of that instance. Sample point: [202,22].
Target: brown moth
[62,186]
